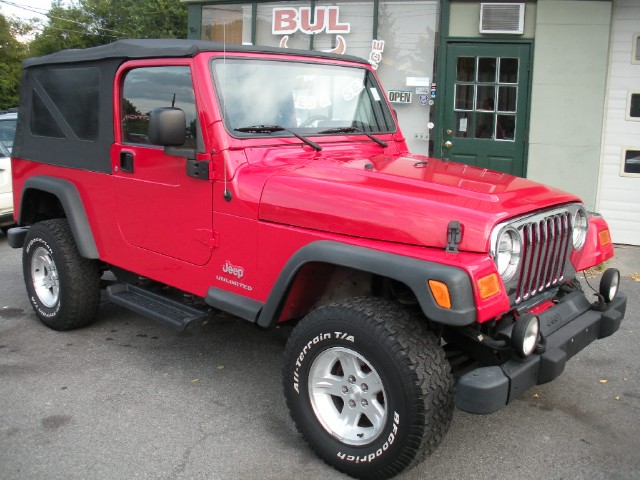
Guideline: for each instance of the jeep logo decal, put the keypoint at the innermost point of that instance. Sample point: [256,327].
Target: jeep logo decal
[237,272]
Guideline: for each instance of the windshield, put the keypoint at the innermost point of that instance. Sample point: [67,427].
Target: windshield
[310,98]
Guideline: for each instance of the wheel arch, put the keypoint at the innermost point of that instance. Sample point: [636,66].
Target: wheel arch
[411,272]
[62,199]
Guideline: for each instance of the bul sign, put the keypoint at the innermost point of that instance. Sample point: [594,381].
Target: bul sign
[289,20]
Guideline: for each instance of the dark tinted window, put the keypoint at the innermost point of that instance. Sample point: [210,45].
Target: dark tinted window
[66,103]
[634,108]
[152,87]
[632,161]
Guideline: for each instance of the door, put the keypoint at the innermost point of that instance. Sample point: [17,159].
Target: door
[485,119]
[159,207]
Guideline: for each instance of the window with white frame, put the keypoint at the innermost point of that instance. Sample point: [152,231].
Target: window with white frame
[635,53]
[631,162]
[633,106]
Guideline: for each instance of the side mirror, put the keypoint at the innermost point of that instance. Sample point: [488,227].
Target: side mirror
[167,127]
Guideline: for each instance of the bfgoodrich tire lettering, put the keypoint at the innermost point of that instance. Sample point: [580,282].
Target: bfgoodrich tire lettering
[63,287]
[386,378]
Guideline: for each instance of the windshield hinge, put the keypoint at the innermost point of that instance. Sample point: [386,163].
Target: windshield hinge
[454,236]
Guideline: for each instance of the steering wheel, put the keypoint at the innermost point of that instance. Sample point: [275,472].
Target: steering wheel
[315,118]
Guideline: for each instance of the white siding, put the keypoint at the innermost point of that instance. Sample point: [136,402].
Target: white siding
[619,195]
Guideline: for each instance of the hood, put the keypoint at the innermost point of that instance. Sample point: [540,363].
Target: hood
[401,198]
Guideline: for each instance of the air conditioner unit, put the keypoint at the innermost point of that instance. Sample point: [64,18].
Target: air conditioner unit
[503,18]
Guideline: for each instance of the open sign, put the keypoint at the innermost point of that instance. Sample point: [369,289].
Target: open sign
[399,96]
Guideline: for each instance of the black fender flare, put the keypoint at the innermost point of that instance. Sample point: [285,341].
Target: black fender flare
[413,272]
[73,207]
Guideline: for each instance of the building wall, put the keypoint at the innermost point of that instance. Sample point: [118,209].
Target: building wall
[567,103]
[619,199]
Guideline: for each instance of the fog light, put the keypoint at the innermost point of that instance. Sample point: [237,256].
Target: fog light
[524,336]
[609,284]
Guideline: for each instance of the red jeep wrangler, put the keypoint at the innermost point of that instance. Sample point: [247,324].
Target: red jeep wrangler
[276,186]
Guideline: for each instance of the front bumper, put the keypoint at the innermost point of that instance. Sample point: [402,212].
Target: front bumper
[568,328]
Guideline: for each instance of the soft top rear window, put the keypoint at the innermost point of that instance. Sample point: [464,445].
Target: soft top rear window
[66,103]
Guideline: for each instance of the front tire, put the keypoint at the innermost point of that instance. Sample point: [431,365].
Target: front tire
[368,386]
[63,287]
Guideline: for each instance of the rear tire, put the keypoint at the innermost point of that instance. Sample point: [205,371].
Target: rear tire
[368,386]
[63,287]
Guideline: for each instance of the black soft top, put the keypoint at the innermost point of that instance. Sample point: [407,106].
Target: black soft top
[156,48]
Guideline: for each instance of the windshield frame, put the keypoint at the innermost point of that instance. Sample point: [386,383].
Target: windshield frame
[369,79]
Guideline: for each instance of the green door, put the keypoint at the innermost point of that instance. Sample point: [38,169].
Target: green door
[485,112]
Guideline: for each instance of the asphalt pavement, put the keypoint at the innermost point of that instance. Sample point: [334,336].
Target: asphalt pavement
[127,398]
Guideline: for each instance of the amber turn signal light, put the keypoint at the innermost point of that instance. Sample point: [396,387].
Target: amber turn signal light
[488,286]
[605,237]
[440,292]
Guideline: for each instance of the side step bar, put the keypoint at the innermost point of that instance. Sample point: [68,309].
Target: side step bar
[154,306]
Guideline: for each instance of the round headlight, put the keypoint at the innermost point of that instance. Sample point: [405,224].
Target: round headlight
[580,226]
[508,253]
[524,336]
[609,284]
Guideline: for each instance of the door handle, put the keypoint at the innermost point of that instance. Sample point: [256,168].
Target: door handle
[448,144]
[126,162]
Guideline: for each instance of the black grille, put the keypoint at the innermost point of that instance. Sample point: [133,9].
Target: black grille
[545,244]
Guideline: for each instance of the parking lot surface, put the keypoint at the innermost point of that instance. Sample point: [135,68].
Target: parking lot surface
[129,398]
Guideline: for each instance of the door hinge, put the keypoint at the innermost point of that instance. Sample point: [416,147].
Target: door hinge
[198,169]
[208,237]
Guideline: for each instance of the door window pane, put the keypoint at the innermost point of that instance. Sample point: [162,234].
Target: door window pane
[508,70]
[486,99]
[464,97]
[507,99]
[492,95]
[466,69]
[506,127]
[487,69]
[464,124]
[152,87]
[484,125]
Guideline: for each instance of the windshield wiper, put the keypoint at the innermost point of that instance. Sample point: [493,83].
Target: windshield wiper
[277,128]
[382,143]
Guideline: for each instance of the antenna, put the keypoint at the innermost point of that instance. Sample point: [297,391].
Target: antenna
[226,193]
[173,102]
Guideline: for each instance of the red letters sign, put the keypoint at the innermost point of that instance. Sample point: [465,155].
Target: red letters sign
[288,20]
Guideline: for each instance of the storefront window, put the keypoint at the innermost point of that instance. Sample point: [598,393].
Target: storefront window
[410,30]
[355,19]
[278,25]
[227,23]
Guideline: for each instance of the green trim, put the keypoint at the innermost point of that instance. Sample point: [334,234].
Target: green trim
[376,13]
[441,75]
[525,158]
[254,22]
[312,5]
[194,21]
[484,41]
